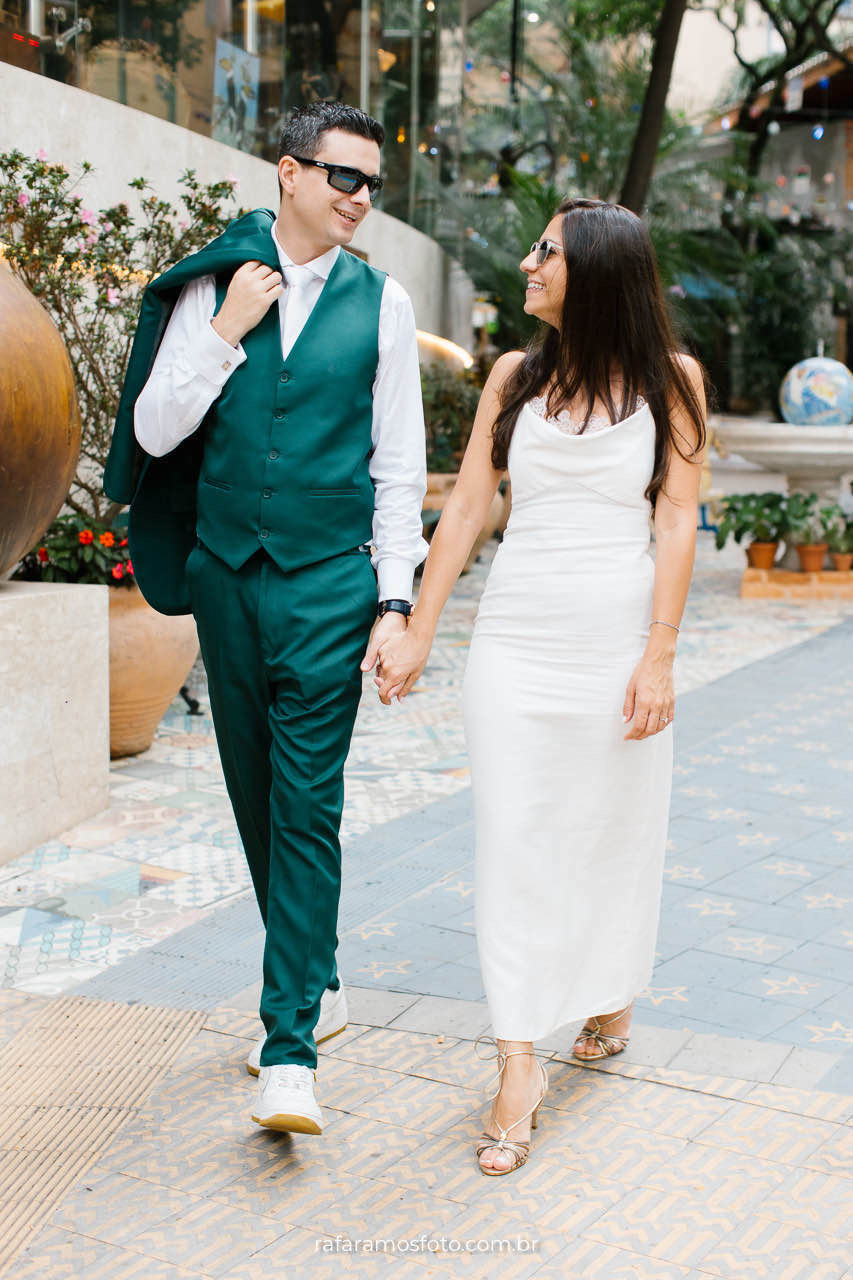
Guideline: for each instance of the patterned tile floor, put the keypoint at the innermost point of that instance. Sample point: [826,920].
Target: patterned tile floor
[717,1145]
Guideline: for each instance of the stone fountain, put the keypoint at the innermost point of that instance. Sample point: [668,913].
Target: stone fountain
[813,458]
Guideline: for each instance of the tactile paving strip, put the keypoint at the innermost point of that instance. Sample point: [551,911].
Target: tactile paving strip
[69,1079]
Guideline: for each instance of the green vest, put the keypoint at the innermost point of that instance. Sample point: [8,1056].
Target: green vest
[324,391]
[287,443]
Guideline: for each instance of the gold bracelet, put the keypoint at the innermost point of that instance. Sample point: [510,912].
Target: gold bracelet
[659,622]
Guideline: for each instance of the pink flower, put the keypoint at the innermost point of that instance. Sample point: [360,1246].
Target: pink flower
[112,296]
[23,199]
[183,224]
[86,215]
[41,154]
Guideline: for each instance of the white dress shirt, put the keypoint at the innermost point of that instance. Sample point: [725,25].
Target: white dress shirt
[194,363]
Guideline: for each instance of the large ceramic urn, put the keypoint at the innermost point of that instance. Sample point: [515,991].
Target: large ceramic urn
[39,421]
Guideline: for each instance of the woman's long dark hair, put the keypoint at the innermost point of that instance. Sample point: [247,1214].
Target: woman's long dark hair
[614,324]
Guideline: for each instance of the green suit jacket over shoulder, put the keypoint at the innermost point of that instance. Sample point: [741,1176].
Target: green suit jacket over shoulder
[250,473]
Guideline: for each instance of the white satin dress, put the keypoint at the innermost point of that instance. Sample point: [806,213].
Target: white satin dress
[571,820]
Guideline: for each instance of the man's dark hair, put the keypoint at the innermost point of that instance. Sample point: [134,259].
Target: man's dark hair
[302,133]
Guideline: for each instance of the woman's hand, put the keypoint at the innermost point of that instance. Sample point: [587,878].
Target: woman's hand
[650,696]
[401,661]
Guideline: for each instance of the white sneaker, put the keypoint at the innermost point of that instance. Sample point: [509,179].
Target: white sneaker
[286,1100]
[332,1020]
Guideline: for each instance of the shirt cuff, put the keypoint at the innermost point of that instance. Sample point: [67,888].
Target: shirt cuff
[395,577]
[212,358]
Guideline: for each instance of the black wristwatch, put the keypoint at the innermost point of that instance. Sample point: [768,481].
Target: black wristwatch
[394,606]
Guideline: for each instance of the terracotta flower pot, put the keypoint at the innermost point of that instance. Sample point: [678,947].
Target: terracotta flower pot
[843,560]
[812,557]
[439,488]
[760,555]
[150,658]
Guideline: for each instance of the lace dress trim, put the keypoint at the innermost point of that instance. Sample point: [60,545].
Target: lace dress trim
[570,426]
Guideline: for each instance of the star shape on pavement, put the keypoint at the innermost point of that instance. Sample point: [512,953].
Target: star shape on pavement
[708,907]
[756,837]
[757,946]
[683,873]
[828,900]
[757,766]
[716,815]
[788,869]
[708,792]
[790,986]
[706,759]
[657,995]
[385,930]
[820,811]
[460,887]
[835,1032]
[379,968]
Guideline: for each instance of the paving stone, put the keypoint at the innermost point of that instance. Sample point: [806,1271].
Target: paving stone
[742,1059]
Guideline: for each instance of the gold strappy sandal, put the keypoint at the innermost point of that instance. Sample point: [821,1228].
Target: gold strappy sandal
[608,1046]
[519,1151]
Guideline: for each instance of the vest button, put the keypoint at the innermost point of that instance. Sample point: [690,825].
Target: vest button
[273,455]
[279,414]
[284,377]
[267,493]
[264,533]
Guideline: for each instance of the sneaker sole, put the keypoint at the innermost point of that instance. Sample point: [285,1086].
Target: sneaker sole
[255,1071]
[286,1123]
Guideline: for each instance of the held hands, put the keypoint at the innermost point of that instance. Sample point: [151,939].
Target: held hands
[650,697]
[393,624]
[402,655]
[253,289]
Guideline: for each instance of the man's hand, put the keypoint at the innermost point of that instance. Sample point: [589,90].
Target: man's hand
[393,624]
[401,662]
[253,289]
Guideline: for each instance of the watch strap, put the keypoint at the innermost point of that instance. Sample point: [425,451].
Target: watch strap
[394,606]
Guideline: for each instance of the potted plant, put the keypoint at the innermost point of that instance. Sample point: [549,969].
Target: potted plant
[89,270]
[840,539]
[759,517]
[450,402]
[809,527]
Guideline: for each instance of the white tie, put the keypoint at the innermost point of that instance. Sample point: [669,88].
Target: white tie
[297,305]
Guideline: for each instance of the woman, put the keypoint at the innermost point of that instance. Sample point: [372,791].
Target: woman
[601,424]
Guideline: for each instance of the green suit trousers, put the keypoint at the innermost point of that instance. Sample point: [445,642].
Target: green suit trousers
[282,653]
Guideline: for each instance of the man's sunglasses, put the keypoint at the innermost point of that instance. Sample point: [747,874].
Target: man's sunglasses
[343,178]
[543,250]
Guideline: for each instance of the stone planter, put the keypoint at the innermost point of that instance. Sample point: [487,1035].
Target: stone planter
[760,555]
[151,656]
[439,488]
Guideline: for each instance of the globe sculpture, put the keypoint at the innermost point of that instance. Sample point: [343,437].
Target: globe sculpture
[817,392]
[39,422]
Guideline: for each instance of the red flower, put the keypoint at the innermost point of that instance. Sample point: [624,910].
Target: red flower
[107,539]
[85,536]
[123,542]
[129,566]
[43,555]
[118,571]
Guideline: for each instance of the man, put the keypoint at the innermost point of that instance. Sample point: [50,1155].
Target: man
[298,362]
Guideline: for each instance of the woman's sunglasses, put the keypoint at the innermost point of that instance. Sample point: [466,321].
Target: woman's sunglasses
[343,178]
[543,250]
